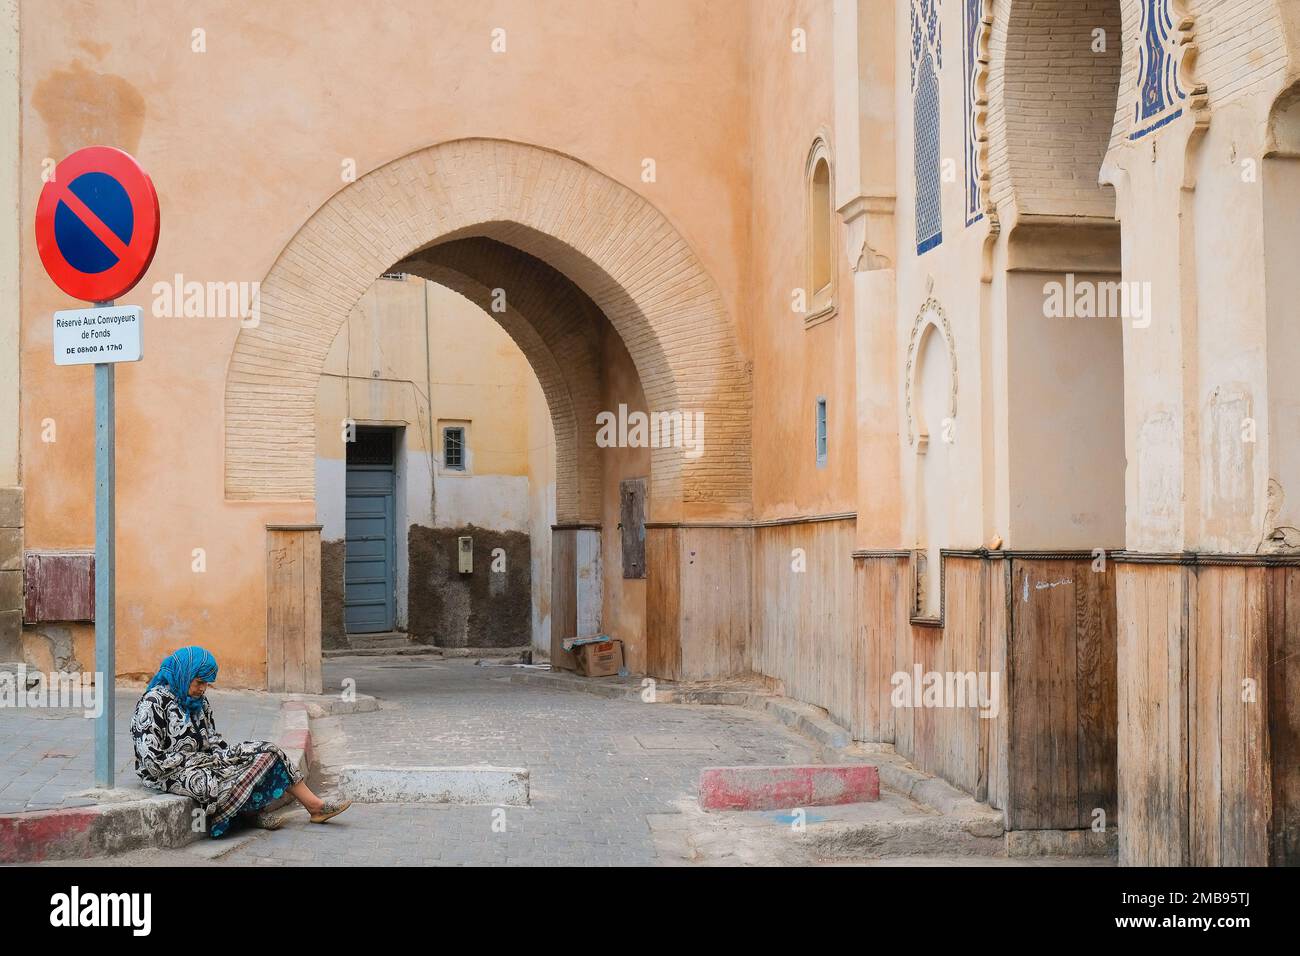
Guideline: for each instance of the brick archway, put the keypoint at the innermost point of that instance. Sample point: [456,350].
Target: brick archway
[610,242]
[557,329]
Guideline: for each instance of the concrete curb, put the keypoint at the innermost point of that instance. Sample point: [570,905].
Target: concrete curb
[472,786]
[559,682]
[935,836]
[334,653]
[784,788]
[808,720]
[100,830]
[162,820]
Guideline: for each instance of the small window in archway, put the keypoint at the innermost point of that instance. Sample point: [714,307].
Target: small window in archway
[821,236]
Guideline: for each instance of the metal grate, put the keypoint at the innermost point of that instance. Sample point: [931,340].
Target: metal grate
[372,446]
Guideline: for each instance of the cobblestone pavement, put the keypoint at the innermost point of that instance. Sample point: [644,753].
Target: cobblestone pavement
[48,754]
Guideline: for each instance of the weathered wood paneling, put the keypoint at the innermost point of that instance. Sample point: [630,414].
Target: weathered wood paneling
[564,596]
[1153,605]
[663,603]
[1208,770]
[293,652]
[1048,754]
[804,630]
[715,581]
[1230,789]
[1284,713]
[997,600]
[58,586]
[881,616]
[1062,735]
[699,590]
[631,525]
[951,742]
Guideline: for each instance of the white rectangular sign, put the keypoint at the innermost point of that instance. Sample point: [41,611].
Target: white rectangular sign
[105,334]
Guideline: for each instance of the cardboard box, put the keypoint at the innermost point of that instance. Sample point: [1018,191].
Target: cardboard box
[599,659]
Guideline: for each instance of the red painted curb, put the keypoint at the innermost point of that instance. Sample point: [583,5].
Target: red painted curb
[784,788]
[29,837]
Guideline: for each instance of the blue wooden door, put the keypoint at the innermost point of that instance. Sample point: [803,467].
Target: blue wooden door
[368,585]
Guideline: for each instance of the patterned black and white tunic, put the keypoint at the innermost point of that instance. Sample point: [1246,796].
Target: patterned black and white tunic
[175,755]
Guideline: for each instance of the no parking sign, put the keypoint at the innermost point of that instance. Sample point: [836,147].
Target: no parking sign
[97,223]
[96,233]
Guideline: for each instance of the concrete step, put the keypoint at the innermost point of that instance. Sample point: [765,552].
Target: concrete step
[415,650]
[388,639]
[894,826]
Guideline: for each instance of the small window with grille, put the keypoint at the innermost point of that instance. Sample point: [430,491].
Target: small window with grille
[453,448]
[372,446]
[821,433]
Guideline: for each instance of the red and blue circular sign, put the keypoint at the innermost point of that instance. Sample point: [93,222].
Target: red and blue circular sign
[97,223]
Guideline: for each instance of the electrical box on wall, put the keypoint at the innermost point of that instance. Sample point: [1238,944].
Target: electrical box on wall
[465,554]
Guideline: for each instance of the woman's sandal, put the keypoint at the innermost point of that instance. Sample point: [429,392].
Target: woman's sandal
[328,810]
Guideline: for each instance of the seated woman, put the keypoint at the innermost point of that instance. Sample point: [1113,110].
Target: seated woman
[178,750]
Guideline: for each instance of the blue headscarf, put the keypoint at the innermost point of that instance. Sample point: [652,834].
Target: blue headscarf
[179,669]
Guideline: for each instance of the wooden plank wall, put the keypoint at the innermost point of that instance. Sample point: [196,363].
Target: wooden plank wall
[1209,776]
[293,650]
[698,593]
[58,586]
[951,742]
[1048,757]
[997,603]
[881,618]
[1230,791]
[663,603]
[1154,602]
[716,581]
[564,595]
[804,630]
[1062,747]
[1284,713]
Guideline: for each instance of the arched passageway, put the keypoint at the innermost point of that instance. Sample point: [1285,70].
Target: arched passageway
[612,244]
[557,253]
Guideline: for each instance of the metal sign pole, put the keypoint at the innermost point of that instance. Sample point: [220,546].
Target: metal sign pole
[105,577]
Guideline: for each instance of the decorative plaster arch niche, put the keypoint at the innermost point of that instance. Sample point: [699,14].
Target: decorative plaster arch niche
[609,241]
[930,320]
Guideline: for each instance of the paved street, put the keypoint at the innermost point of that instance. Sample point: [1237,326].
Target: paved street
[599,768]
[48,754]
[613,782]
